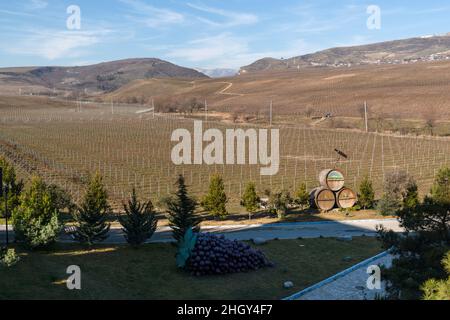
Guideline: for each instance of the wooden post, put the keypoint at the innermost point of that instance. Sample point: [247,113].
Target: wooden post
[271,112]
[365,116]
[153,107]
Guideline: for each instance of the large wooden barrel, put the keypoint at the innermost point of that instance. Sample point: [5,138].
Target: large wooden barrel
[332,179]
[346,198]
[323,199]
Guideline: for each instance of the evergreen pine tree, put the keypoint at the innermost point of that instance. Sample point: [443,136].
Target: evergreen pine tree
[91,217]
[440,191]
[411,197]
[139,221]
[215,201]
[419,250]
[366,193]
[15,187]
[181,210]
[302,197]
[250,200]
[435,289]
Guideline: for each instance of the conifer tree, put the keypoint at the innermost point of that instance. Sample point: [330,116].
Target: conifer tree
[181,209]
[419,250]
[250,200]
[366,194]
[139,221]
[440,191]
[36,219]
[215,201]
[435,289]
[91,216]
[411,197]
[15,187]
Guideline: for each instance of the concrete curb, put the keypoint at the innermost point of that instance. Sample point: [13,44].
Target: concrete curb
[287,224]
[341,274]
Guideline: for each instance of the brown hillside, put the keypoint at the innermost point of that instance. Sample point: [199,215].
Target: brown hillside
[406,91]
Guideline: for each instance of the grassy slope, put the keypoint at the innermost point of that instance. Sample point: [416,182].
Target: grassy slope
[112,272]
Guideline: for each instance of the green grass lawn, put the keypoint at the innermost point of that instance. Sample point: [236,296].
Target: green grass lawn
[120,272]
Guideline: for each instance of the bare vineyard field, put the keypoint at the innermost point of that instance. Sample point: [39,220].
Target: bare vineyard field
[65,144]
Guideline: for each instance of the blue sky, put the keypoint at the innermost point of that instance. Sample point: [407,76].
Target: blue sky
[202,33]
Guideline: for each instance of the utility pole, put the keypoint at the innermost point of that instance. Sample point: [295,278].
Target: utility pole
[365,116]
[112,106]
[206,110]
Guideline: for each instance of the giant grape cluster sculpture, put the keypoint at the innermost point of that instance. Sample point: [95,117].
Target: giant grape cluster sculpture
[214,255]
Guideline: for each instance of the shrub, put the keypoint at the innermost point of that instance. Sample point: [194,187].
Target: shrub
[181,211]
[388,205]
[139,221]
[8,257]
[250,200]
[163,202]
[279,202]
[302,197]
[36,220]
[396,184]
[215,201]
[91,217]
[400,190]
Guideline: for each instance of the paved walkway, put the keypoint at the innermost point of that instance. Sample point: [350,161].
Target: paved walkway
[350,284]
[325,229]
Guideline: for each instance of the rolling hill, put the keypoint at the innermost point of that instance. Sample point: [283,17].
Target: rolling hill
[428,48]
[103,77]
[390,91]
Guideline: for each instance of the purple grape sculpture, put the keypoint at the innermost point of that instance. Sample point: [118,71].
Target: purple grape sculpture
[215,255]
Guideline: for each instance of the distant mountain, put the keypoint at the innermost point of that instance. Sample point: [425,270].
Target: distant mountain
[426,48]
[103,77]
[218,73]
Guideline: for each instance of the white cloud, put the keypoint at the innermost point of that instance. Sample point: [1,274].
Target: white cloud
[228,51]
[152,16]
[53,45]
[37,4]
[232,18]
[210,48]
[16,13]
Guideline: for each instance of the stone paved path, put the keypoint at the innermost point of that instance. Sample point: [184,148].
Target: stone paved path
[352,286]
